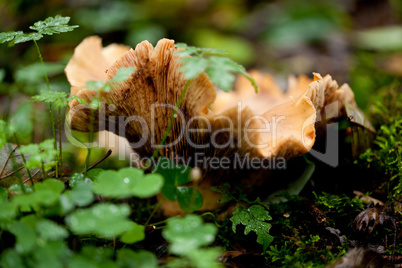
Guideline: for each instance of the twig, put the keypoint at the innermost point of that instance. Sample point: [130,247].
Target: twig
[12,173]
[27,179]
[8,158]
[99,161]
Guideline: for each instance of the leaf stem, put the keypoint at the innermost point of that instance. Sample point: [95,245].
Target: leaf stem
[161,222]
[60,163]
[43,64]
[153,212]
[91,133]
[51,105]
[44,172]
[54,136]
[214,217]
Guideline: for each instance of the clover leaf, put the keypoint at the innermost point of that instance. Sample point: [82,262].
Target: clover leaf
[176,175]
[25,235]
[8,210]
[49,230]
[135,234]
[45,193]
[127,182]
[138,259]
[105,219]
[80,195]
[188,234]
[78,178]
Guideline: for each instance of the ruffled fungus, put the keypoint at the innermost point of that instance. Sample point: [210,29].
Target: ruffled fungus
[235,125]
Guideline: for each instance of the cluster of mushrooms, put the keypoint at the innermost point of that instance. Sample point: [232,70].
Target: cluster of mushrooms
[264,125]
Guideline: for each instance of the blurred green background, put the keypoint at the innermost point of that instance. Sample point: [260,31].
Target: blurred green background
[356,41]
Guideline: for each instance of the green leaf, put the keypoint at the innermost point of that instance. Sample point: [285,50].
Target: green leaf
[8,212]
[189,199]
[10,259]
[81,195]
[25,235]
[33,73]
[193,67]
[188,234]
[51,254]
[220,71]
[174,175]
[52,185]
[3,195]
[93,257]
[94,173]
[94,85]
[16,188]
[8,36]
[139,259]
[205,257]
[186,50]
[78,178]
[57,98]
[49,230]
[128,182]
[80,100]
[104,219]
[254,219]
[135,234]
[25,37]
[197,51]
[40,153]
[25,202]
[123,74]
[53,25]
[31,220]
[46,193]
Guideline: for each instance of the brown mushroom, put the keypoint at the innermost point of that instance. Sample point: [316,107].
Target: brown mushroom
[264,125]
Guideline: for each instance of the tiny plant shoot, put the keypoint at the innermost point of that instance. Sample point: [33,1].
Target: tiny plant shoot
[50,26]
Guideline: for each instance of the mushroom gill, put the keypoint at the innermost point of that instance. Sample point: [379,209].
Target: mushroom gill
[231,125]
